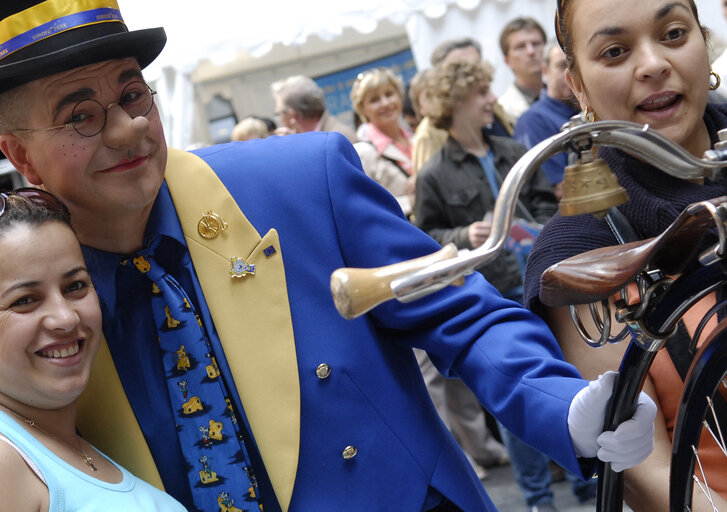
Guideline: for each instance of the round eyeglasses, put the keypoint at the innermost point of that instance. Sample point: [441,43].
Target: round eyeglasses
[88,117]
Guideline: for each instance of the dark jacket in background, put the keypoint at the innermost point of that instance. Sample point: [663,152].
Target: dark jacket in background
[452,192]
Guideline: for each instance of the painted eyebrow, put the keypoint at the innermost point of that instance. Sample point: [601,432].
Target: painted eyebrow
[31,284]
[86,93]
[128,74]
[661,13]
[71,99]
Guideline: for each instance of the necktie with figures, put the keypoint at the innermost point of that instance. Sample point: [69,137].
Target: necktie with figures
[219,469]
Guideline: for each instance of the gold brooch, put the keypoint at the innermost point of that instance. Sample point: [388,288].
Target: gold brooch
[210,225]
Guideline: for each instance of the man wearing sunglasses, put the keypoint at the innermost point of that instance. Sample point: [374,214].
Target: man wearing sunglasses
[332,414]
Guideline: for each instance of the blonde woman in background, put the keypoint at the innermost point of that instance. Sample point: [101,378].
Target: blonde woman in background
[248,129]
[385,146]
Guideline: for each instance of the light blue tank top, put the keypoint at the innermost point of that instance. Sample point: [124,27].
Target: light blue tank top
[71,490]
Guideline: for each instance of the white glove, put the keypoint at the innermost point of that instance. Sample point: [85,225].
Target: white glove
[625,447]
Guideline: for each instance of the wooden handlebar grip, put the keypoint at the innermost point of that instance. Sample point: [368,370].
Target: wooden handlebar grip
[358,290]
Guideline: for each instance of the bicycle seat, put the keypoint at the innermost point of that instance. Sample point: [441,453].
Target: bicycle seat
[600,273]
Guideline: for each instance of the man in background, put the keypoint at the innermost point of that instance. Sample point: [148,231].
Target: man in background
[522,41]
[545,117]
[300,105]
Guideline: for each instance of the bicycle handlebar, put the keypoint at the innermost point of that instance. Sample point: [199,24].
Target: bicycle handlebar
[411,280]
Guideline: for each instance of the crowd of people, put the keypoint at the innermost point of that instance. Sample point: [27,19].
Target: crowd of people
[169,312]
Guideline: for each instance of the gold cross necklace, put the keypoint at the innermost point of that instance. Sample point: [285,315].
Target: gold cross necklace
[80,451]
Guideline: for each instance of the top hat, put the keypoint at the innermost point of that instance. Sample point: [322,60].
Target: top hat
[39,38]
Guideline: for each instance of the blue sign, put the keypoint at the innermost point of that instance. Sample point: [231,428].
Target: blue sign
[337,86]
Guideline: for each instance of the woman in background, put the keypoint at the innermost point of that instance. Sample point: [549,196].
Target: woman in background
[385,145]
[456,189]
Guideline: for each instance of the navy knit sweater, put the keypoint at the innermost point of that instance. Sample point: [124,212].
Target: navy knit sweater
[655,200]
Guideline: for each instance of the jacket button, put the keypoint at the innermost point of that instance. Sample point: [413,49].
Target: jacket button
[323,371]
[349,452]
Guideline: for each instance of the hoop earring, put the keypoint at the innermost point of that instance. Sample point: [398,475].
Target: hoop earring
[717,80]
[589,114]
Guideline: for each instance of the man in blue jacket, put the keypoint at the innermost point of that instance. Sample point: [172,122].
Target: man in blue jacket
[333,414]
[546,117]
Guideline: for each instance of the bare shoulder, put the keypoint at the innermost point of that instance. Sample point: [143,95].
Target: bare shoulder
[21,489]
[591,362]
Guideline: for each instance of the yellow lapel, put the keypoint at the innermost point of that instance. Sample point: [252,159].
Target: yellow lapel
[252,317]
[106,420]
[251,313]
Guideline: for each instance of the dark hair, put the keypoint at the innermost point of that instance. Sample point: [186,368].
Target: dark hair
[443,49]
[268,122]
[517,25]
[564,21]
[21,210]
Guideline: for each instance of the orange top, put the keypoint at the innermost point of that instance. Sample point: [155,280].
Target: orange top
[669,388]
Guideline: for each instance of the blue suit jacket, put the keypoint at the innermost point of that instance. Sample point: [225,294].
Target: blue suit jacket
[328,214]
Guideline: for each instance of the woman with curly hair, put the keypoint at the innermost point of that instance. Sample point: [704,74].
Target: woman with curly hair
[457,188]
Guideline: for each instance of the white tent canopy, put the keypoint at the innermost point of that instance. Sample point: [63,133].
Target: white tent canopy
[216,38]
[218,29]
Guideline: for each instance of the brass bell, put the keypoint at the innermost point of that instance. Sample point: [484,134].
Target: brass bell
[589,186]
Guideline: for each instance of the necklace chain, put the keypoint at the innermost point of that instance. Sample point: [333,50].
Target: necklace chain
[80,451]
